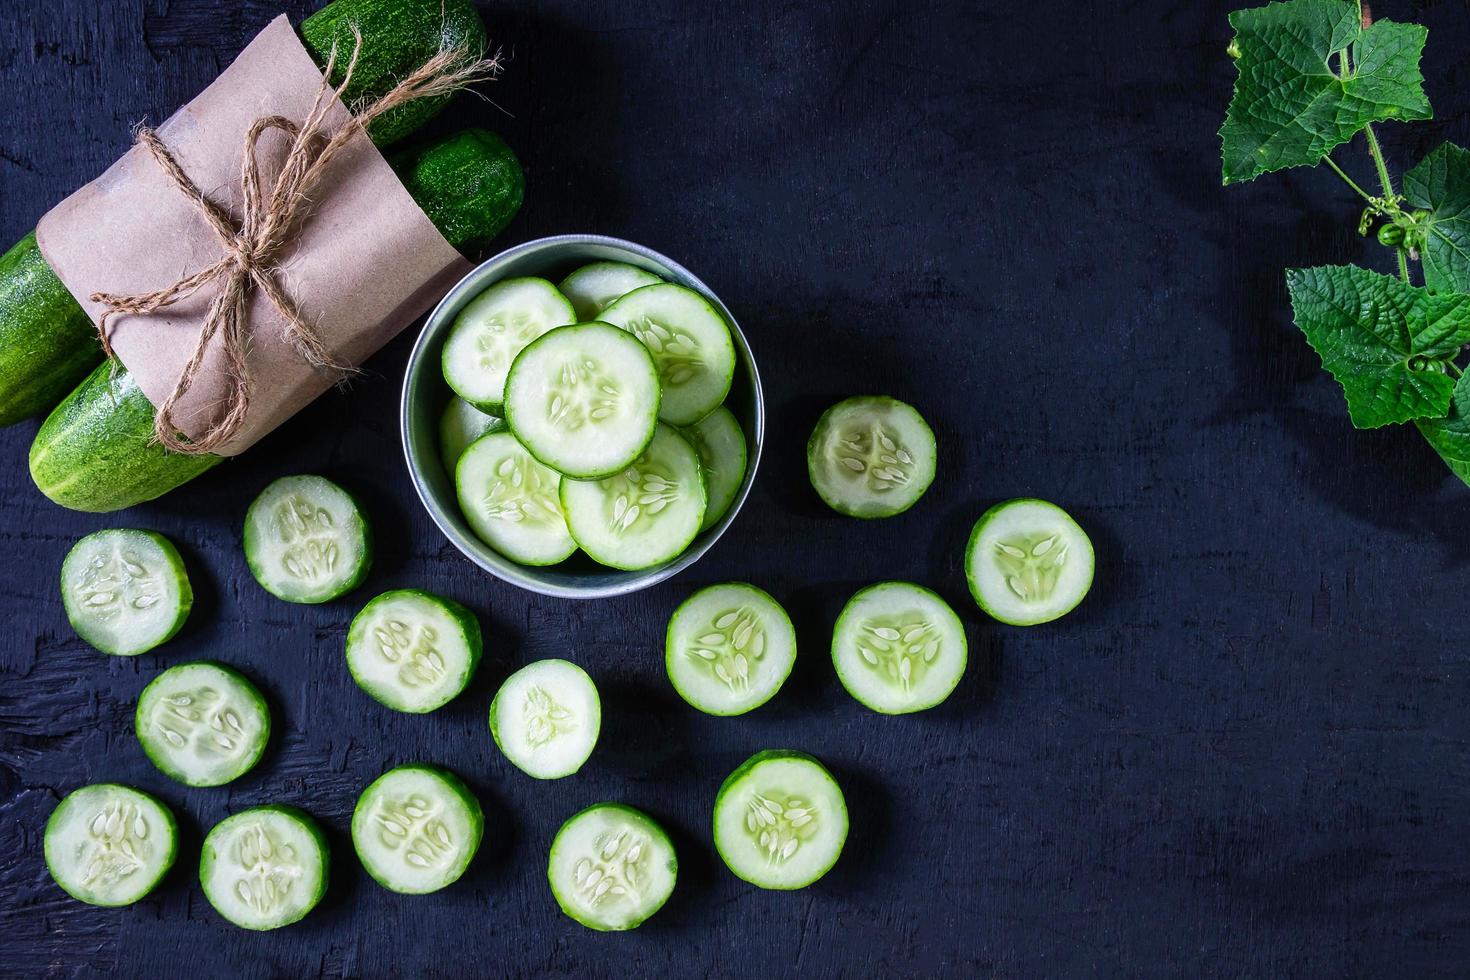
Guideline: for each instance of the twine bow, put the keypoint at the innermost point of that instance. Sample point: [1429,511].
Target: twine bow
[267,226]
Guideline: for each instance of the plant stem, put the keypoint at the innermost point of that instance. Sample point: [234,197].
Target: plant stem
[1389,197]
[1350,182]
[1403,264]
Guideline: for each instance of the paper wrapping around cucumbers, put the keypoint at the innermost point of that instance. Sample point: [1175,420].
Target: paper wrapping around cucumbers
[363,264]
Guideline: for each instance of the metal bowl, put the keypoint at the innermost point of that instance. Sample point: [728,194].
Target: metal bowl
[425,396]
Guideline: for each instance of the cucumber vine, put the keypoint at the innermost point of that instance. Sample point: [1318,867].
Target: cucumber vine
[1313,75]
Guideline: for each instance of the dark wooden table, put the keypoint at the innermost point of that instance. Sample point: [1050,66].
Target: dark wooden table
[1247,754]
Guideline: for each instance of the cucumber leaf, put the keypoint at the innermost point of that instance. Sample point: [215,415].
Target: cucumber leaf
[1450,436]
[1292,105]
[1386,342]
[1441,184]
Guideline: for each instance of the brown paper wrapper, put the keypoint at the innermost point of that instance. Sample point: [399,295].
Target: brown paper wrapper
[366,262]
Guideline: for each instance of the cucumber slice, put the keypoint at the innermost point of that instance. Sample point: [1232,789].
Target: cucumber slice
[690,342]
[899,648]
[307,540]
[644,515]
[780,820]
[413,651]
[611,867]
[871,456]
[721,446]
[512,501]
[125,591]
[108,844]
[492,329]
[583,399]
[265,867]
[203,724]
[460,425]
[416,828]
[1028,562]
[729,648]
[593,288]
[546,718]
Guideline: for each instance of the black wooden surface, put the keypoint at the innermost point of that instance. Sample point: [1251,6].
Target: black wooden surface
[1247,754]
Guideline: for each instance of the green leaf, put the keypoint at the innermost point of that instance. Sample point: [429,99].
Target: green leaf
[1386,342]
[1450,436]
[1441,184]
[1292,105]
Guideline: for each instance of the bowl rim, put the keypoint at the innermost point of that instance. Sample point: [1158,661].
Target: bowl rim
[526,577]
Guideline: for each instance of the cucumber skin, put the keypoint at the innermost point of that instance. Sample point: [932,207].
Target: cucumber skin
[163,765]
[168,862]
[650,824]
[768,755]
[47,341]
[206,858]
[456,786]
[95,451]
[398,37]
[469,625]
[488,179]
[176,565]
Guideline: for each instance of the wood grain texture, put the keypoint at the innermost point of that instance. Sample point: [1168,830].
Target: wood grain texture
[1247,754]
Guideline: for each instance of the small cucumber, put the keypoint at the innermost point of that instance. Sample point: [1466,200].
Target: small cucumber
[899,648]
[203,724]
[512,501]
[265,867]
[690,342]
[492,330]
[110,845]
[593,288]
[416,828]
[611,867]
[1028,562]
[47,342]
[871,456]
[546,718]
[413,651]
[125,591]
[307,540]
[780,820]
[644,515]
[95,452]
[583,399]
[460,425]
[721,446]
[729,648]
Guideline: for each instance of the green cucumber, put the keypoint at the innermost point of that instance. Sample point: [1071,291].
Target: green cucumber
[871,456]
[899,648]
[110,845]
[95,452]
[780,820]
[1028,562]
[583,399]
[416,828]
[413,651]
[611,867]
[644,515]
[203,724]
[729,648]
[546,718]
[690,342]
[593,288]
[265,867]
[720,443]
[48,344]
[307,540]
[459,426]
[125,591]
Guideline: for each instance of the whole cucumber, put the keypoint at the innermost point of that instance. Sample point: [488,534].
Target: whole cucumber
[95,451]
[48,343]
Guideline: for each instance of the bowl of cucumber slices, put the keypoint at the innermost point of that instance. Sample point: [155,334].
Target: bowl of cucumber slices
[582,416]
